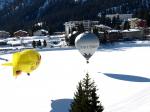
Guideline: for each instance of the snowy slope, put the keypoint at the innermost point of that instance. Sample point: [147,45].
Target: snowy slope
[121,73]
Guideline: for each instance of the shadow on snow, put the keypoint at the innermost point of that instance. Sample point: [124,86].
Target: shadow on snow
[124,77]
[122,46]
[61,105]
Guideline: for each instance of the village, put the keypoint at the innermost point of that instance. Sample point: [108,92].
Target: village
[131,29]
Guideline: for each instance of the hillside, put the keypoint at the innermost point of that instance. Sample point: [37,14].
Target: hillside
[23,14]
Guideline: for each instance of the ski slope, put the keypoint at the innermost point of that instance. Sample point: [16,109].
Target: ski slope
[121,73]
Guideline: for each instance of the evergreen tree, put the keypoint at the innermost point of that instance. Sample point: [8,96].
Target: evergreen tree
[118,23]
[95,105]
[71,40]
[81,28]
[114,21]
[126,25]
[103,19]
[95,31]
[33,44]
[44,43]
[39,43]
[107,21]
[86,99]
[76,105]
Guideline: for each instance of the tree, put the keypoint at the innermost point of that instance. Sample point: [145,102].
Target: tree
[86,99]
[95,31]
[103,19]
[39,43]
[126,25]
[95,102]
[33,44]
[114,20]
[71,40]
[81,28]
[44,43]
[76,105]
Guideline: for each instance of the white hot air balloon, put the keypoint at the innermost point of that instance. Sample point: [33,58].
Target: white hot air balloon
[87,43]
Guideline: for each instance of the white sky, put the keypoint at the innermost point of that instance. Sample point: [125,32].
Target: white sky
[60,71]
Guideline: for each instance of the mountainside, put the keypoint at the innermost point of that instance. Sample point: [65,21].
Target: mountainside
[23,14]
[4,3]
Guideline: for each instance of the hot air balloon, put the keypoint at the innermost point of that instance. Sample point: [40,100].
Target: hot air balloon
[24,61]
[87,43]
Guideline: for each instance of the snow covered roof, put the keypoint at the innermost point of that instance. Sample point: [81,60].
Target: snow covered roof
[17,42]
[133,19]
[131,30]
[2,31]
[21,31]
[42,30]
[113,31]
[103,26]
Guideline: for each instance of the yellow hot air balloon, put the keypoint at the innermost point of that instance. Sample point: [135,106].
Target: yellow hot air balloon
[24,61]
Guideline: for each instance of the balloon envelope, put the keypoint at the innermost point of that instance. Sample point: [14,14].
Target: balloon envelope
[24,61]
[87,43]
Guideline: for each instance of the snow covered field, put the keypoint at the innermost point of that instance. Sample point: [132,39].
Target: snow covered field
[121,73]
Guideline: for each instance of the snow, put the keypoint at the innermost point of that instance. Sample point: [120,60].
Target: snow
[131,30]
[103,26]
[120,71]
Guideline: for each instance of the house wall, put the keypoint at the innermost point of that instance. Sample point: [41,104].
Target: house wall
[133,34]
[40,33]
[4,34]
[113,36]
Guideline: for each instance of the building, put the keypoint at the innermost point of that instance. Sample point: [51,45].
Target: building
[113,35]
[21,33]
[123,17]
[132,34]
[147,31]
[74,25]
[102,28]
[4,34]
[137,23]
[40,32]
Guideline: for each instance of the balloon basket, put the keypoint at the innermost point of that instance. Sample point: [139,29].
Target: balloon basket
[87,61]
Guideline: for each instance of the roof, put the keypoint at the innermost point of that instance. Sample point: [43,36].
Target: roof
[103,26]
[131,30]
[4,32]
[113,31]
[42,30]
[21,31]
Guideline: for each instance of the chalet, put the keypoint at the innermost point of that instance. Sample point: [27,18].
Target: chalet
[132,34]
[137,23]
[113,35]
[21,33]
[4,34]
